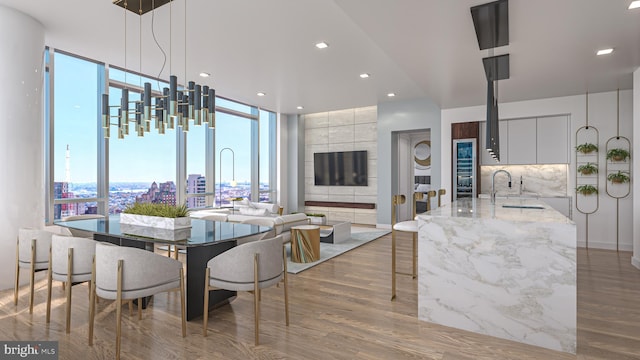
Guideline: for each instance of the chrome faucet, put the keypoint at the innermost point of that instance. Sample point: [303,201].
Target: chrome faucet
[521,186]
[493,186]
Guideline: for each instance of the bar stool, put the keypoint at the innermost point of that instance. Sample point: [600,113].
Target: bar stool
[405,226]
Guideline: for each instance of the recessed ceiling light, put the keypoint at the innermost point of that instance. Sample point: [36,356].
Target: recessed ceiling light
[205,74]
[604,51]
[322,45]
[391,94]
[261,94]
[364,76]
[634,5]
[300,107]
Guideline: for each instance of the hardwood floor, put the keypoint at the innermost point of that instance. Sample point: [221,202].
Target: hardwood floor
[339,309]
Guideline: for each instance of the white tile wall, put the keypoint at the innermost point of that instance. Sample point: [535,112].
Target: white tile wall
[343,130]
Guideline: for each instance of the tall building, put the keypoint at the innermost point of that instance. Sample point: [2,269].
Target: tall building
[165,193]
[196,184]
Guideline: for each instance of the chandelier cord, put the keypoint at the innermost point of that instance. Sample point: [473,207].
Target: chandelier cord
[153,33]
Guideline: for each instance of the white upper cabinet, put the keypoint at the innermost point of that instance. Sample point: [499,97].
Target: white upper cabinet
[553,140]
[522,141]
[485,157]
[543,140]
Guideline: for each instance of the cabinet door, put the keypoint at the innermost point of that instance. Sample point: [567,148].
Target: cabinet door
[522,141]
[553,140]
[485,157]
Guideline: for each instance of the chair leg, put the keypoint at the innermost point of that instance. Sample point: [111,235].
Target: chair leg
[139,308]
[130,303]
[63,286]
[256,300]
[32,275]
[119,310]
[49,281]
[69,272]
[414,256]
[17,283]
[286,284]
[175,252]
[205,308]
[92,302]
[393,264]
[182,304]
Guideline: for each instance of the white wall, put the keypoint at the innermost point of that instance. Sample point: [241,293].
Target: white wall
[21,134]
[636,164]
[602,115]
[343,130]
[401,116]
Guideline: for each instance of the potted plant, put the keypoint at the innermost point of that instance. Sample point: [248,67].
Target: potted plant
[157,215]
[586,189]
[588,169]
[619,177]
[617,154]
[587,148]
[319,219]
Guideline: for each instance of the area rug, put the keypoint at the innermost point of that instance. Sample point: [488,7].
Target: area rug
[359,236]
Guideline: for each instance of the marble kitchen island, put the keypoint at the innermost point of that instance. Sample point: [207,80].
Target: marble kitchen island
[504,272]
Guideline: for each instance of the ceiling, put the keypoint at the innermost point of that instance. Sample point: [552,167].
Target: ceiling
[414,48]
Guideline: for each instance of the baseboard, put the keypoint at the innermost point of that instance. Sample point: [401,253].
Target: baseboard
[635,261]
[383,226]
[605,246]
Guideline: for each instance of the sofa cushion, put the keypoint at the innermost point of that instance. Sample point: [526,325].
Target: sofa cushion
[253,211]
[272,208]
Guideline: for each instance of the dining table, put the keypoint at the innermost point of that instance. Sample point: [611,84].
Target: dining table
[203,240]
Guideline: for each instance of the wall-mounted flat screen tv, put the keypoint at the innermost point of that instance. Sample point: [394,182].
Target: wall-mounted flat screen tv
[346,168]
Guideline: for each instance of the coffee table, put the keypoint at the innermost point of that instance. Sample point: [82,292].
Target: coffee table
[335,232]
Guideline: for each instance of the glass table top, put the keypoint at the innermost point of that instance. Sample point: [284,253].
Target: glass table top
[201,232]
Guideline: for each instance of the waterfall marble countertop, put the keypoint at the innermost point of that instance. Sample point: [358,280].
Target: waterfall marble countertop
[504,272]
[483,209]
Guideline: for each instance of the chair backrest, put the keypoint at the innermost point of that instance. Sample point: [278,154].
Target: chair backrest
[140,268]
[83,251]
[82,217]
[43,242]
[236,264]
[264,221]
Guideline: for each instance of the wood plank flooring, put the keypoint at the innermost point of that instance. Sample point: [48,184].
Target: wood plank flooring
[339,309]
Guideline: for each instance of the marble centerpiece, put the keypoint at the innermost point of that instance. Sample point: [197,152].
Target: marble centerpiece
[504,272]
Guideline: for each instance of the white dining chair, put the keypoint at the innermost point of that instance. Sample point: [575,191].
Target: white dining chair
[32,252]
[249,267]
[71,261]
[126,273]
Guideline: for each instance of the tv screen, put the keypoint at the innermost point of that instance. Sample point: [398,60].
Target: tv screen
[348,168]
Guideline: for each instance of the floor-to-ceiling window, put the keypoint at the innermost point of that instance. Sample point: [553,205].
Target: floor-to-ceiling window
[74,160]
[201,167]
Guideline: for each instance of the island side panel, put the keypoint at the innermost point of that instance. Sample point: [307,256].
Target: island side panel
[512,280]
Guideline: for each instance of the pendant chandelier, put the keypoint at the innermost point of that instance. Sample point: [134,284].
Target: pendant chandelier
[173,107]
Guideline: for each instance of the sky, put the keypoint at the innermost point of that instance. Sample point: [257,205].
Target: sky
[132,159]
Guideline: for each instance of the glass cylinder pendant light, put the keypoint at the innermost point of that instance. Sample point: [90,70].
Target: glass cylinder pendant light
[170,108]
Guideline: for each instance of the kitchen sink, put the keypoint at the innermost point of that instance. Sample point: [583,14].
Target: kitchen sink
[539,207]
